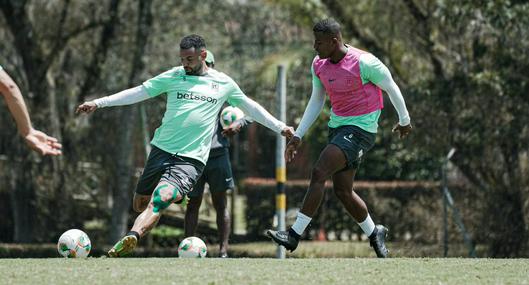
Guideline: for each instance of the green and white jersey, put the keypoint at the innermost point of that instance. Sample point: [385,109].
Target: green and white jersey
[193,105]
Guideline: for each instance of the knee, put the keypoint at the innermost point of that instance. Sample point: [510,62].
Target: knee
[194,203]
[343,193]
[163,196]
[318,174]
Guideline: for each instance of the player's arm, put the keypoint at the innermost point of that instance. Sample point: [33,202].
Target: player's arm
[15,103]
[376,72]
[251,108]
[260,115]
[35,139]
[125,97]
[244,121]
[312,111]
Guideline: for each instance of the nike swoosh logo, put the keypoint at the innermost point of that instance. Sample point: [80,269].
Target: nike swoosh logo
[347,139]
[228,179]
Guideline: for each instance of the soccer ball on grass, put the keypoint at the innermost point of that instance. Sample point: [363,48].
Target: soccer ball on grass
[74,243]
[192,247]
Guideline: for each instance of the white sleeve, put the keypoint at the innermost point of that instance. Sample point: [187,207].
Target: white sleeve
[313,109]
[125,97]
[387,84]
[260,115]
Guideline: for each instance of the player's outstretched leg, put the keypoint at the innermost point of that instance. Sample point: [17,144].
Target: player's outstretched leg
[162,197]
[377,241]
[331,160]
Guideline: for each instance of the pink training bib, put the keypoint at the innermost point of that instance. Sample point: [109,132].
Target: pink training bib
[343,84]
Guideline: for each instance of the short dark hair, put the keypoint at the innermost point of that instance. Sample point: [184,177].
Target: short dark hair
[192,41]
[327,26]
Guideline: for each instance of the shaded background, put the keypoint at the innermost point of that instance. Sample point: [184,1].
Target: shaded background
[461,65]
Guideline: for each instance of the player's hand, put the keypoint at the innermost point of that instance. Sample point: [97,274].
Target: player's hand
[288,132]
[42,143]
[232,129]
[86,107]
[291,150]
[402,130]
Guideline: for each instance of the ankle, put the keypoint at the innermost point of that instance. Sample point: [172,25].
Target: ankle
[134,233]
[293,234]
[374,233]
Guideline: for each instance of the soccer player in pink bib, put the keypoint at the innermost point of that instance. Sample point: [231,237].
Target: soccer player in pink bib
[354,80]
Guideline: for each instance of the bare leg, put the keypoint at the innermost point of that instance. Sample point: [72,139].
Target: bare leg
[223,220]
[162,197]
[191,218]
[343,188]
[331,160]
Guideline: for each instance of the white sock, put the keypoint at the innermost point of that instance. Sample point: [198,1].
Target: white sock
[302,221]
[368,226]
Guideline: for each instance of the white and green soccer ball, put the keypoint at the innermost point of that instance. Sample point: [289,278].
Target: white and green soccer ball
[192,247]
[74,243]
[229,115]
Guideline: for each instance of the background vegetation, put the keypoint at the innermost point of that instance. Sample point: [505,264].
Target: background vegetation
[462,67]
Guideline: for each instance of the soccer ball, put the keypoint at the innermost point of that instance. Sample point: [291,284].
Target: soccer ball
[229,115]
[74,243]
[192,247]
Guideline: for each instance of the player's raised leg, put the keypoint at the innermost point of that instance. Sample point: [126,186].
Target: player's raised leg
[164,194]
[331,160]
[356,207]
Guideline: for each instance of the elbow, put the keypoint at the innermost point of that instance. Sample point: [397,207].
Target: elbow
[9,89]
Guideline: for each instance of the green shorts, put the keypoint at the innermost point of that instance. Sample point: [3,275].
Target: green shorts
[217,174]
[353,141]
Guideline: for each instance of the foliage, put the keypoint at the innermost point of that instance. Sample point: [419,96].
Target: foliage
[460,64]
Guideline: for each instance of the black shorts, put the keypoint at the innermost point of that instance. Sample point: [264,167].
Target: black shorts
[217,174]
[181,172]
[353,141]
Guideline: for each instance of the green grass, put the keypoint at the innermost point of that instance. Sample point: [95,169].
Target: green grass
[264,271]
[346,249]
[264,249]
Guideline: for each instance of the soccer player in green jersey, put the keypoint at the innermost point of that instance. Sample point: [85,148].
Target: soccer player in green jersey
[353,79]
[181,144]
[218,175]
[35,139]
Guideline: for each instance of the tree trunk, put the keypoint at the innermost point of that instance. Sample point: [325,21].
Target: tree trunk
[22,196]
[122,193]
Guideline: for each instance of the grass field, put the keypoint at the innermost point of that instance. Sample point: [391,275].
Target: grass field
[264,271]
